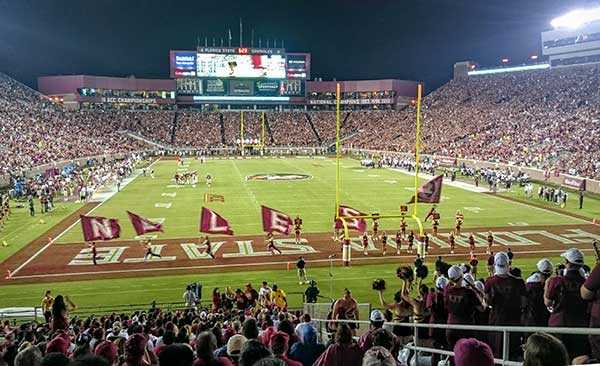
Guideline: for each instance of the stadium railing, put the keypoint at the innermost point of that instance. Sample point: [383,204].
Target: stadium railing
[505,330]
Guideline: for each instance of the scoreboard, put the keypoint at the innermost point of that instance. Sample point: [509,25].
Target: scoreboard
[210,72]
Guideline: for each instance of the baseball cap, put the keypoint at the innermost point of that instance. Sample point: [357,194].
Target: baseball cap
[501,259]
[455,273]
[376,316]
[441,282]
[235,344]
[544,266]
[574,256]
[536,277]
[469,279]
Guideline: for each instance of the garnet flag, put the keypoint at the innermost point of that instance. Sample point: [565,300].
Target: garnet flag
[212,223]
[143,225]
[276,221]
[358,224]
[99,228]
[429,192]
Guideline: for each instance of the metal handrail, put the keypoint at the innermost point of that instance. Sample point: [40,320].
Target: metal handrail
[505,330]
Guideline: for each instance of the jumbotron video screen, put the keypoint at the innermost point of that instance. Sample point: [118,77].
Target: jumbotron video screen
[239,71]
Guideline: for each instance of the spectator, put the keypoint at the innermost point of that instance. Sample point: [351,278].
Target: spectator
[206,344]
[60,313]
[562,294]
[376,322]
[253,351]
[279,346]
[176,355]
[542,349]
[470,351]
[590,291]
[30,356]
[307,350]
[235,346]
[55,359]
[343,352]
[108,351]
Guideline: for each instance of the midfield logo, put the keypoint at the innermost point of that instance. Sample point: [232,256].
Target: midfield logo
[277,176]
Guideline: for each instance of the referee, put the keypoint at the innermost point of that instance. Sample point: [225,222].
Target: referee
[301,264]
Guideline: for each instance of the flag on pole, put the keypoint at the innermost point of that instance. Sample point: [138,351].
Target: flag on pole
[429,192]
[276,221]
[143,225]
[213,223]
[99,228]
[358,224]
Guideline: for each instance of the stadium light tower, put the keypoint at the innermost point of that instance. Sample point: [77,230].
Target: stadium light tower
[576,18]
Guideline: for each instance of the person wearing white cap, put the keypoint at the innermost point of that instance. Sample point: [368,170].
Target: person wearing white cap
[437,307]
[506,296]
[461,303]
[366,340]
[563,296]
[536,313]
[590,291]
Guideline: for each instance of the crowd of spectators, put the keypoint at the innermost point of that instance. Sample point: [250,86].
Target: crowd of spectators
[198,129]
[254,326]
[35,131]
[546,119]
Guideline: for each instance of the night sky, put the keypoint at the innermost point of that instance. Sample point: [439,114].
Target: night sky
[348,39]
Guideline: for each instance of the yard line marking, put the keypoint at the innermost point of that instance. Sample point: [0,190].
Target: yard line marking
[248,190]
[169,194]
[254,264]
[163,204]
[36,254]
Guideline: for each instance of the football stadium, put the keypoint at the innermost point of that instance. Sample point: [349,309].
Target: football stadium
[240,210]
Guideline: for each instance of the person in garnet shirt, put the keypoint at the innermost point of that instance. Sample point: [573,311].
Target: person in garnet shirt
[506,296]
[591,291]
[536,313]
[562,294]
[461,304]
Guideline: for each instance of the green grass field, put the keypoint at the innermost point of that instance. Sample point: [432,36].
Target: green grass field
[113,292]
[369,190]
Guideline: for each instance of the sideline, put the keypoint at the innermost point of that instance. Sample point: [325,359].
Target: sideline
[42,249]
[258,264]
[471,188]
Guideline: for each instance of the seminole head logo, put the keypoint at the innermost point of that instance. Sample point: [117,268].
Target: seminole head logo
[277,177]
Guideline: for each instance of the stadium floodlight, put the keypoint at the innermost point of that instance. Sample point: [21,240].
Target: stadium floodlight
[505,60]
[534,57]
[576,18]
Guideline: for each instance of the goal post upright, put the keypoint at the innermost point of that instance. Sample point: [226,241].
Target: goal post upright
[338,151]
[417,158]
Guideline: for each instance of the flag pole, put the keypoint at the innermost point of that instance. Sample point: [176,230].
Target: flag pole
[338,177]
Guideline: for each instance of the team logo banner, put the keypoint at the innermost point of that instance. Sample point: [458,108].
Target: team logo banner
[212,223]
[143,225]
[358,224]
[429,192]
[276,221]
[99,228]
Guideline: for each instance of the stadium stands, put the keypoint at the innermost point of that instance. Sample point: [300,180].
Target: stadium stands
[238,318]
[546,119]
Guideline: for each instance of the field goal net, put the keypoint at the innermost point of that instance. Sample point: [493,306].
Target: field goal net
[321,310]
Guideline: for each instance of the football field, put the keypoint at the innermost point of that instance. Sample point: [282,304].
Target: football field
[59,259]
[296,186]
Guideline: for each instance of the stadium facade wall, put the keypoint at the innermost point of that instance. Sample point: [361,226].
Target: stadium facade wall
[68,84]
